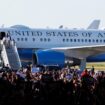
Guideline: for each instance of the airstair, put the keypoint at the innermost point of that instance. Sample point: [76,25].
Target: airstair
[9,54]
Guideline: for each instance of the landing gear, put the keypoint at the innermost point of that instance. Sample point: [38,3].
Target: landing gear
[83,64]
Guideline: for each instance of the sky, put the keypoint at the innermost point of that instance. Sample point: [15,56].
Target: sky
[51,13]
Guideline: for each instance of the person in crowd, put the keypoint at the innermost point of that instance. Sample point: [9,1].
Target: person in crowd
[51,87]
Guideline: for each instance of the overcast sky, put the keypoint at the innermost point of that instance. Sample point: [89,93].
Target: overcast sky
[52,13]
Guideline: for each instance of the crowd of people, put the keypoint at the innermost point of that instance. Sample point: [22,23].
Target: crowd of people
[50,87]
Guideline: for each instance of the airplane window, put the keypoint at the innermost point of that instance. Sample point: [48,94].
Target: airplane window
[85,40]
[74,40]
[100,40]
[41,39]
[23,33]
[48,39]
[93,40]
[32,33]
[21,39]
[45,39]
[18,39]
[27,33]
[63,40]
[71,40]
[104,40]
[33,39]
[25,39]
[67,40]
[82,40]
[89,40]
[78,40]
[97,40]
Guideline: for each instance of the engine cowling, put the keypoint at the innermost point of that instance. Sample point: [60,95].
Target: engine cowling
[48,57]
[25,54]
[96,58]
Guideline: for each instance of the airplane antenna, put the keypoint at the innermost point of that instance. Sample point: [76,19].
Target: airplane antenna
[2,26]
[61,26]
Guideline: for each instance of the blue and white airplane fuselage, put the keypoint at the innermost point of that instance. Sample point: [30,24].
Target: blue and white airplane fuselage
[47,38]
[73,43]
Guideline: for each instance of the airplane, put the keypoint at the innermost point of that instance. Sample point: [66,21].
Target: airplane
[51,46]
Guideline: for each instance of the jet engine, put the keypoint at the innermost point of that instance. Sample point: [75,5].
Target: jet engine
[48,57]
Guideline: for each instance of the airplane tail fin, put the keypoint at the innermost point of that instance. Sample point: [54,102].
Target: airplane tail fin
[94,25]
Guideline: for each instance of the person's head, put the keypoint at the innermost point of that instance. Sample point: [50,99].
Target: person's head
[85,69]
[92,66]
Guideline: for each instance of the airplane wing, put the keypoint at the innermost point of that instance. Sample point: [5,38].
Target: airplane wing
[81,52]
